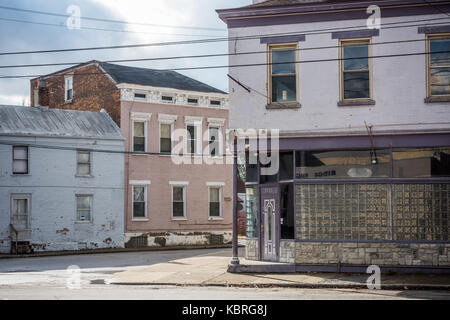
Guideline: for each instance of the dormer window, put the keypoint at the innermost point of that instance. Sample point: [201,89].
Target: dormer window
[167,99]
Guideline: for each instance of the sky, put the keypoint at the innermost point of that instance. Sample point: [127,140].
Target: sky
[176,20]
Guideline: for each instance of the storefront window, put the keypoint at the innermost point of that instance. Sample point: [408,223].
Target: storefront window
[252,198]
[343,164]
[286,165]
[265,178]
[251,171]
[287,220]
[421,163]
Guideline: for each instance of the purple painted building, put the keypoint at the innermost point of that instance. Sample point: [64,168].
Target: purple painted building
[360,91]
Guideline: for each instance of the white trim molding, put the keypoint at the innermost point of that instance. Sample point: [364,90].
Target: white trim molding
[216,121]
[140,182]
[179,183]
[215,184]
[167,118]
[141,116]
[193,120]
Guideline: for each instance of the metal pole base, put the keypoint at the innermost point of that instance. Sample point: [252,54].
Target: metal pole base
[234,261]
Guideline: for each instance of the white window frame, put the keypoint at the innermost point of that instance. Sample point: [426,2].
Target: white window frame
[140,117]
[197,122]
[68,85]
[21,196]
[91,209]
[179,184]
[219,154]
[220,186]
[28,161]
[144,184]
[166,119]
[90,164]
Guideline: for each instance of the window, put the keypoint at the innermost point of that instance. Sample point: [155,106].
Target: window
[68,88]
[165,138]
[191,131]
[355,70]
[283,73]
[20,160]
[140,95]
[348,164]
[251,201]
[192,101]
[287,218]
[438,65]
[251,169]
[83,163]
[139,133]
[215,103]
[215,202]
[214,141]
[421,163]
[178,201]
[139,201]
[167,99]
[84,207]
[286,165]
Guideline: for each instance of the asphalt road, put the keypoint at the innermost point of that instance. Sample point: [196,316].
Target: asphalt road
[48,278]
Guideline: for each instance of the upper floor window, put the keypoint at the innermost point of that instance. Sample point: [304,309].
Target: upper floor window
[191,131]
[140,95]
[283,73]
[167,99]
[68,88]
[355,70]
[20,160]
[438,65]
[214,141]
[165,144]
[139,136]
[215,103]
[83,163]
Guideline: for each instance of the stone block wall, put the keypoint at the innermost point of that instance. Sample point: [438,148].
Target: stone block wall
[287,251]
[378,253]
[252,249]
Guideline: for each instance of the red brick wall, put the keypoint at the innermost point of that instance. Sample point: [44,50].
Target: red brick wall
[92,91]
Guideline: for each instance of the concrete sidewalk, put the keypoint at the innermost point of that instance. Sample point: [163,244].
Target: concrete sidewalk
[212,271]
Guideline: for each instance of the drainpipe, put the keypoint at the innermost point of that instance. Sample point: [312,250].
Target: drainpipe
[235,259]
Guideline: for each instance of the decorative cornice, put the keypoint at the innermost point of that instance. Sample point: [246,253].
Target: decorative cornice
[141,116]
[216,121]
[192,119]
[180,97]
[167,117]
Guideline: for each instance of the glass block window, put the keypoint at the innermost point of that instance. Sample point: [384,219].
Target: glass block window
[251,201]
[421,211]
[343,212]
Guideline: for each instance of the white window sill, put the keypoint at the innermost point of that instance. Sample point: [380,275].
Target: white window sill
[140,153]
[215,218]
[140,219]
[83,222]
[80,176]
[179,219]
[20,175]
[68,101]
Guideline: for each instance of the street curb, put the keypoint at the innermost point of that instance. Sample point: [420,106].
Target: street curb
[403,287]
[112,250]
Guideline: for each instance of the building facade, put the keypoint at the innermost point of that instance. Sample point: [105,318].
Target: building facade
[167,203]
[364,140]
[61,180]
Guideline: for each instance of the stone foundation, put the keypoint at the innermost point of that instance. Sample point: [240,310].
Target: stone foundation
[368,253]
[251,249]
[287,251]
[170,239]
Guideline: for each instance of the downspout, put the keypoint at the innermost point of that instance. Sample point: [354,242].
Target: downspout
[235,259]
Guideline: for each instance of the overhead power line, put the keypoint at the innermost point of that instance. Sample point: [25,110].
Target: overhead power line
[104,29]
[201,56]
[241,65]
[111,20]
[392,25]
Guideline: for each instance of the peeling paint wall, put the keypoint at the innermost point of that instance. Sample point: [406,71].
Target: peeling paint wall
[53,185]
[168,239]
